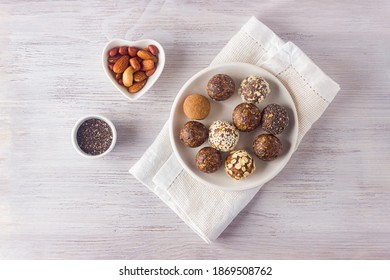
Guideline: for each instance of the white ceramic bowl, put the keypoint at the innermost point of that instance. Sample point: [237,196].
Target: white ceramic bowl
[222,110]
[141,44]
[76,128]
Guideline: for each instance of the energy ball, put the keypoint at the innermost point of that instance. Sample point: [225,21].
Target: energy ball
[223,136]
[267,147]
[239,164]
[254,89]
[196,107]
[220,87]
[275,119]
[208,160]
[193,134]
[246,117]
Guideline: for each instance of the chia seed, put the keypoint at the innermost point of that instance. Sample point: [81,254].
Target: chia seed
[94,137]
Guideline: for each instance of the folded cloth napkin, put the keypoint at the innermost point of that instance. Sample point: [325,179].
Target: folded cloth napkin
[208,211]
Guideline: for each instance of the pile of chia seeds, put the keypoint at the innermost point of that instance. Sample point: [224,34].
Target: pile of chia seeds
[94,136]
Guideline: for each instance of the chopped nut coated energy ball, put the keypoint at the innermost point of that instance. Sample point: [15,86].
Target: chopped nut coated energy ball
[254,89]
[239,165]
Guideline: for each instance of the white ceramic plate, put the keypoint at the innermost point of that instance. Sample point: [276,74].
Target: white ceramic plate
[141,44]
[223,110]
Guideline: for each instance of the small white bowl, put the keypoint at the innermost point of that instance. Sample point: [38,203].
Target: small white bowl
[141,44]
[76,128]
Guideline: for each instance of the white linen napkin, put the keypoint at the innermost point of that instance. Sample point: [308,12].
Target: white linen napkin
[208,211]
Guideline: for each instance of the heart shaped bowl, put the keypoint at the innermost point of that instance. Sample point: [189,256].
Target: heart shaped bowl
[141,44]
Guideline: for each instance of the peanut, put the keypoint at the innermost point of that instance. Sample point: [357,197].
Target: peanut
[153,49]
[113,52]
[123,50]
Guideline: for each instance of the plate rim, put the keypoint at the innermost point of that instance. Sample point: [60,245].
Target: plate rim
[171,133]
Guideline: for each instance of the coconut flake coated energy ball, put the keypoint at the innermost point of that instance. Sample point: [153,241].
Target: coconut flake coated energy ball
[223,136]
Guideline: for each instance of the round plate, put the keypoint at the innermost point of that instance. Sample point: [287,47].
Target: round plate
[222,110]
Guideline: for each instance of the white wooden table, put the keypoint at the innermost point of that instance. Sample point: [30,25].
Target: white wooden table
[331,201]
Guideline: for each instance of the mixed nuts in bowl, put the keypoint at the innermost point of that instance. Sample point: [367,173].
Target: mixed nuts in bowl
[133,67]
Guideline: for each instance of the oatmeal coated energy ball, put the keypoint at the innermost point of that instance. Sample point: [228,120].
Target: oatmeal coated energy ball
[275,119]
[208,160]
[246,117]
[254,89]
[193,134]
[220,87]
[196,107]
[267,147]
[239,165]
[223,136]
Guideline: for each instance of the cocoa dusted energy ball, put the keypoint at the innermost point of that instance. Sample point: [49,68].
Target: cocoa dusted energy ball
[193,134]
[254,89]
[220,87]
[275,119]
[267,147]
[223,136]
[208,160]
[196,107]
[246,117]
[239,164]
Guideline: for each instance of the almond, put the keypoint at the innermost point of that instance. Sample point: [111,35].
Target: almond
[113,52]
[120,82]
[135,64]
[110,66]
[139,76]
[136,87]
[150,72]
[123,50]
[121,64]
[127,77]
[146,55]
[132,51]
[153,49]
[147,65]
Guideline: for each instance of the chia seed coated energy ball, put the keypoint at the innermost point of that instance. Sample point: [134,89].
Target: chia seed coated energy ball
[193,134]
[275,119]
[196,107]
[223,136]
[246,117]
[267,147]
[208,160]
[254,89]
[239,165]
[220,87]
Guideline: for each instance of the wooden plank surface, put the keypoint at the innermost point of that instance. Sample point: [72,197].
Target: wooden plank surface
[331,201]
